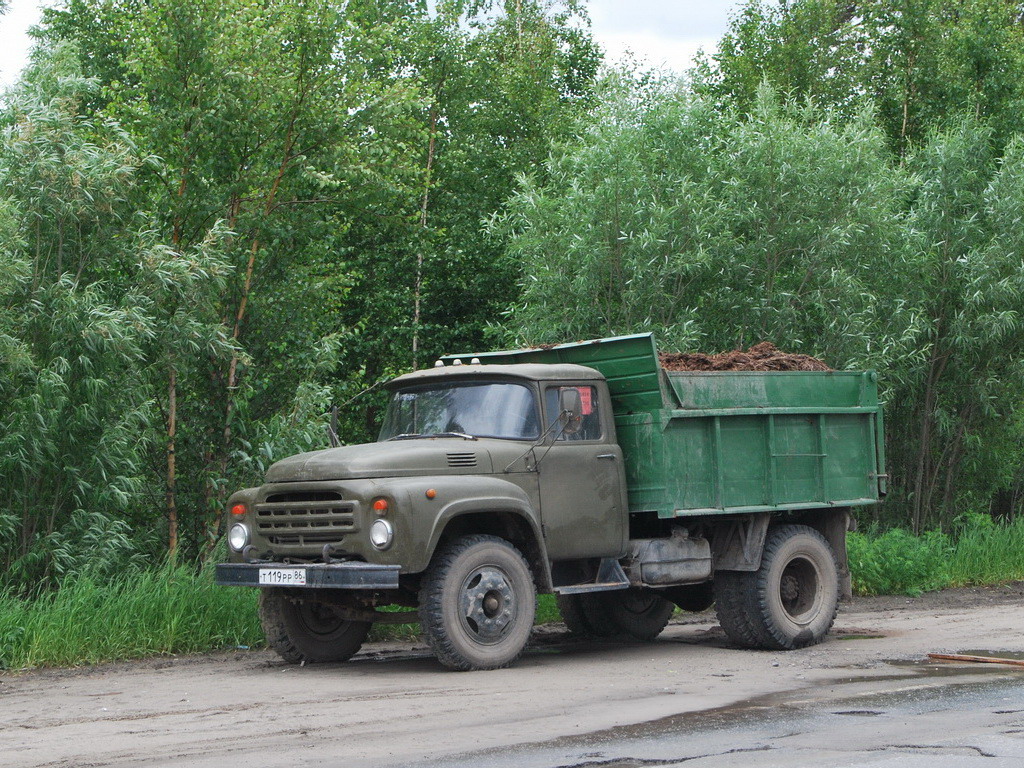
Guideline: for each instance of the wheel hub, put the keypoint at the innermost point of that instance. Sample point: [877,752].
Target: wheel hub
[319,618]
[799,587]
[790,589]
[487,604]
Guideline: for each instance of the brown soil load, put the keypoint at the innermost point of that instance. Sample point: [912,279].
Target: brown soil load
[760,357]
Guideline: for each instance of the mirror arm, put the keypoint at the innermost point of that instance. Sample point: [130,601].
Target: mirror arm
[560,423]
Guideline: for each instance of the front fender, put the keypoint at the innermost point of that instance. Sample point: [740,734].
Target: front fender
[510,504]
[454,497]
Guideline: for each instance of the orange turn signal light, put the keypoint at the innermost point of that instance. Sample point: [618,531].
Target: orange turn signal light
[238,509]
[431,493]
[381,505]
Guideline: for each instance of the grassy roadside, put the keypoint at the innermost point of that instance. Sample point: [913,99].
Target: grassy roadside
[896,562]
[149,613]
[172,610]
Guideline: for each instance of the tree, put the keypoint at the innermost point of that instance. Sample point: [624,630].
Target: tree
[919,62]
[715,231]
[345,155]
[950,421]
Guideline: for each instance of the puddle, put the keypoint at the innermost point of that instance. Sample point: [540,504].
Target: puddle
[940,668]
[755,725]
[859,637]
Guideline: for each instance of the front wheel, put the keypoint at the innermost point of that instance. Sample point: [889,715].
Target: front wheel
[477,603]
[790,601]
[301,629]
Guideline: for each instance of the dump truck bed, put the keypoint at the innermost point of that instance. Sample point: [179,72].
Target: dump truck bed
[705,443]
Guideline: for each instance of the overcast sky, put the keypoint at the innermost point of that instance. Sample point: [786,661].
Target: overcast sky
[665,33]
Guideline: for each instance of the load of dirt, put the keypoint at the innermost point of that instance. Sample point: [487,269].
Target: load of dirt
[760,357]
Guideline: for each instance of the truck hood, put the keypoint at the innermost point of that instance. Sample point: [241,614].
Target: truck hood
[398,458]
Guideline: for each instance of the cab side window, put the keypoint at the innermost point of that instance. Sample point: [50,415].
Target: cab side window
[591,417]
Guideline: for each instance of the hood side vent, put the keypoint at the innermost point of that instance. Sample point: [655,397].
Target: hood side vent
[461,459]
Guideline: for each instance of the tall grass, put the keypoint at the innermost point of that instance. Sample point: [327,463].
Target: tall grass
[146,613]
[987,553]
[979,551]
[174,610]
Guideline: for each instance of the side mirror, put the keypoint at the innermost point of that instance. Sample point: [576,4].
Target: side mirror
[570,410]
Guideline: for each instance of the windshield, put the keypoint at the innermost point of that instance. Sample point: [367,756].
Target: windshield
[482,410]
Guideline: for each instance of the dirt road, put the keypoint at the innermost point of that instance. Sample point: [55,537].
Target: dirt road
[564,703]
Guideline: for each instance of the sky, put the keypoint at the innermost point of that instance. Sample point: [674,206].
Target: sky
[663,33]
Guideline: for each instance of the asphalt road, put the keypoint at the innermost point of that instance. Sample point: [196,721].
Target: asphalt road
[866,697]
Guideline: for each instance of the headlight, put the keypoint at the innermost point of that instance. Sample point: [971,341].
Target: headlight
[381,534]
[238,537]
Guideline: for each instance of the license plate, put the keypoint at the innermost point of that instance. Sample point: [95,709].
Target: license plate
[283,577]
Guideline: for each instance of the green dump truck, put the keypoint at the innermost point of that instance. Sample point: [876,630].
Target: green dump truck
[583,470]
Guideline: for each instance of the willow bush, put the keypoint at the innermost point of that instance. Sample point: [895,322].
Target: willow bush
[797,225]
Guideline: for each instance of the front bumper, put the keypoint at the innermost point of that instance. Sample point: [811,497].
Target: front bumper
[350,575]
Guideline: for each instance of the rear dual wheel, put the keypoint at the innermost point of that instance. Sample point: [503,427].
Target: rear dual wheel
[634,613]
[790,601]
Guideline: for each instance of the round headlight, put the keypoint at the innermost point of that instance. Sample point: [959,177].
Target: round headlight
[238,537]
[381,534]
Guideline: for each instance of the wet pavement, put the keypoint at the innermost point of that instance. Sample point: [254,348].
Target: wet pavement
[917,714]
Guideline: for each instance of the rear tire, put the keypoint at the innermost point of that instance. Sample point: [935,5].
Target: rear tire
[790,601]
[692,597]
[582,615]
[634,613]
[477,603]
[306,630]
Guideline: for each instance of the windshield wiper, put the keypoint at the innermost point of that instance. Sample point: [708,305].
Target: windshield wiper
[413,435]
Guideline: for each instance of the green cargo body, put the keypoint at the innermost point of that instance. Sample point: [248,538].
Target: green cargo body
[713,443]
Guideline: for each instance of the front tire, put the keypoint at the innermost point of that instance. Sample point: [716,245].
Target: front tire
[304,630]
[790,601]
[477,603]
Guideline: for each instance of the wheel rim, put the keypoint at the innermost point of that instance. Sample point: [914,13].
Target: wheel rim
[319,619]
[487,605]
[800,590]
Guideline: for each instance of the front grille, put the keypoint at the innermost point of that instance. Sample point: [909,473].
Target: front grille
[461,459]
[305,518]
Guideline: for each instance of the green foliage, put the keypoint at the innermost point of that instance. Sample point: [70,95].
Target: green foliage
[138,613]
[306,172]
[919,62]
[952,415]
[796,224]
[895,561]
[987,552]
[674,216]
[70,444]
[898,562]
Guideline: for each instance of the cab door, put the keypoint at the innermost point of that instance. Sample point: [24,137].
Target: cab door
[582,479]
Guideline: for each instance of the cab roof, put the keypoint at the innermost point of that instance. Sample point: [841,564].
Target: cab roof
[528,371]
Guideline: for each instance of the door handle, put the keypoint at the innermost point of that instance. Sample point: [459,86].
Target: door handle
[605,456]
